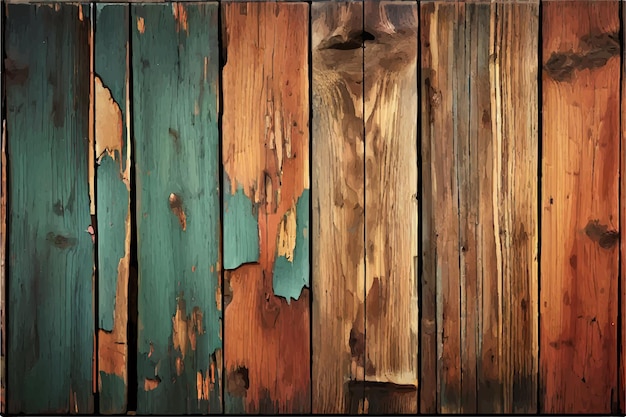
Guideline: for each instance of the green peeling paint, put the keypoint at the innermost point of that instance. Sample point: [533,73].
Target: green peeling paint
[51,323]
[241,228]
[175,74]
[291,276]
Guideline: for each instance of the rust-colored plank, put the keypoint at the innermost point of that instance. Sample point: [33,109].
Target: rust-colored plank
[441,358]
[338,207]
[266,174]
[513,191]
[391,212]
[112,175]
[620,402]
[579,231]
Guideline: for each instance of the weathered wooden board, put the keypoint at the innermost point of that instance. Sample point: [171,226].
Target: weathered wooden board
[391,212]
[441,327]
[50,279]
[580,206]
[479,283]
[112,153]
[174,102]
[620,405]
[3,240]
[512,169]
[266,206]
[338,166]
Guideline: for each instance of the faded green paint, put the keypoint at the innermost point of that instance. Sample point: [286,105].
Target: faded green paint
[175,76]
[291,276]
[115,389]
[241,228]
[51,322]
[112,195]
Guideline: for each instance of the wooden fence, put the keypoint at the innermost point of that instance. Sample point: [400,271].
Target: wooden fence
[323,207]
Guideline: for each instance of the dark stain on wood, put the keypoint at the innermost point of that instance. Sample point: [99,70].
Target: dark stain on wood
[60,241]
[176,205]
[238,382]
[596,50]
[15,72]
[601,234]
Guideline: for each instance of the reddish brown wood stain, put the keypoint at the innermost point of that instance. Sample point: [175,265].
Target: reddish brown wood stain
[579,267]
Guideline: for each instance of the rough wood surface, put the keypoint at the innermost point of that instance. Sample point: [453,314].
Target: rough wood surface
[266,181]
[51,328]
[175,87]
[112,155]
[513,192]
[3,240]
[391,215]
[620,401]
[580,168]
[338,263]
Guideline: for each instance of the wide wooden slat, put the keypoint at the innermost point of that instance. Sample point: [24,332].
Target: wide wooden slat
[391,215]
[175,85]
[51,328]
[266,206]
[338,207]
[512,168]
[580,210]
[112,153]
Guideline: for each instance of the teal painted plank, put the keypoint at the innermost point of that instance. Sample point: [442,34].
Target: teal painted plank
[175,84]
[112,203]
[241,228]
[291,275]
[51,328]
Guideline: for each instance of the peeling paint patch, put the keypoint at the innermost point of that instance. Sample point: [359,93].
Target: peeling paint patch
[150,384]
[241,228]
[109,124]
[238,382]
[291,268]
[180,366]
[180,15]
[141,25]
[176,205]
[185,327]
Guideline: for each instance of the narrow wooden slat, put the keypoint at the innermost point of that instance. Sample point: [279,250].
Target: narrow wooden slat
[266,183]
[579,231]
[3,241]
[175,84]
[440,209]
[51,329]
[513,190]
[621,388]
[112,153]
[338,264]
[391,215]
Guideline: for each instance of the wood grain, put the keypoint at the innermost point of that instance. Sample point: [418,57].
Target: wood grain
[175,115]
[112,154]
[266,174]
[620,405]
[580,209]
[50,282]
[513,191]
[338,262]
[391,215]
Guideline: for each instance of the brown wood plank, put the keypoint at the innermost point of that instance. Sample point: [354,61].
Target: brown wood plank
[441,360]
[579,231]
[391,215]
[620,406]
[266,171]
[513,176]
[338,207]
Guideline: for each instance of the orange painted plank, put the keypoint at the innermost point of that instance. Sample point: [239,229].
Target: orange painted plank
[266,181]
[391,210]
[620,405]
[580,206]
[338,207]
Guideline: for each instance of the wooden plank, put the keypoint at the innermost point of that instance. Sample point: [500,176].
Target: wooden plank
[3,240]
[51,328]
[512,190]
[266,174]
[175,85]
[621,388]
[441,360]
[112,152]
[580,168]
[338,264]
[391,179]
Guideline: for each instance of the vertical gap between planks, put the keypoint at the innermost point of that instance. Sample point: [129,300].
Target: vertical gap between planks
[311,185]
[419,196]
[131,330]
[539,192]
[5,190]
[221,191]
[94,203]
[361,401]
